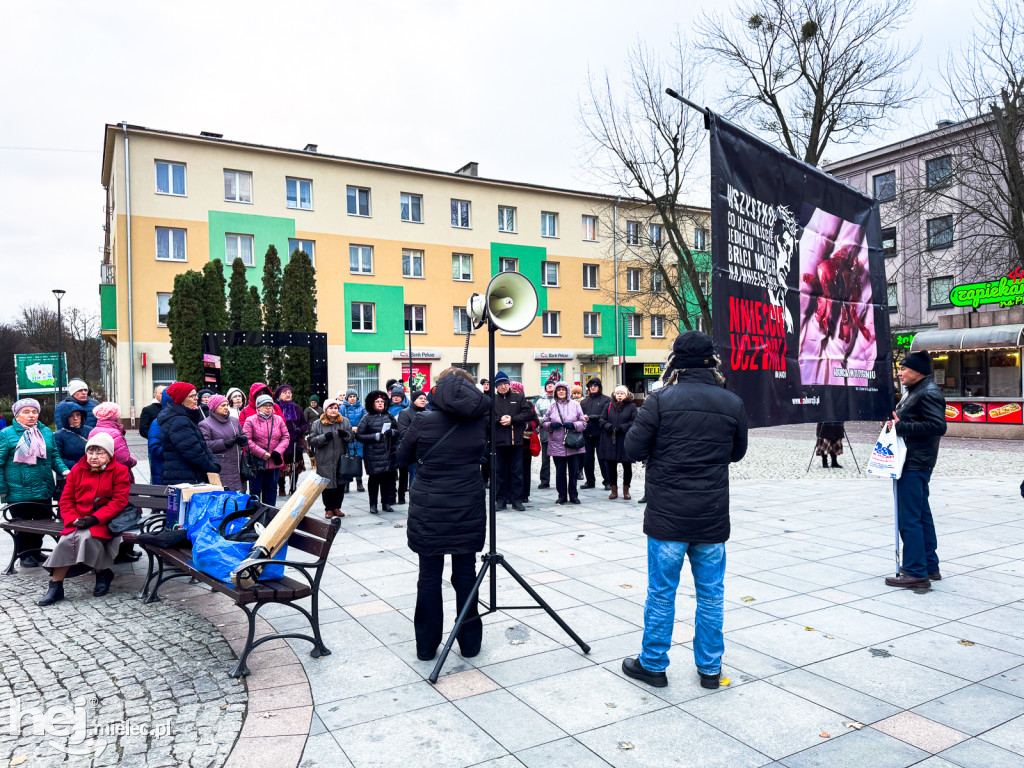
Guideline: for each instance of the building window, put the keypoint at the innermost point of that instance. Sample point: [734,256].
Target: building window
[590,276]
[360,259]
[549,274]
[633,279]
[170,244]
[412,263]
[657,282]
[550,321]
[632,233]
[358,201]
[892,297]
[590,228]
[657,234]
[634,326]
[889,242]
[700,239]
[299,193]
[704,281]
[163,303]
[362,316]
[170,178]
[885,186]
[940,233]
[938,172]
[239,247]
[460,213]
[514,371]
[412,207]
[657,326]
[306,246]
[506,219]
[460,320]
[938,292]
[462,267]
[508,265]
[591,323]
[363,379]
[415,318]
[164,374]
[237,186]
[548,224]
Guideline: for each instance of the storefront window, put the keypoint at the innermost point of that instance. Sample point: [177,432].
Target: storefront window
[946,372]
[974,374]
[1004,373]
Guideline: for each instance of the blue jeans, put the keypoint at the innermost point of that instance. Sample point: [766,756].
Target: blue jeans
[664,562]
[916,527]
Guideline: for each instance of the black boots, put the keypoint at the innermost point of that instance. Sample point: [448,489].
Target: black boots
[374,510]
[824,461]
[401,498]
[103,580]
[54,594]
[127,553]
[835,462]
[387,508]
[359,486]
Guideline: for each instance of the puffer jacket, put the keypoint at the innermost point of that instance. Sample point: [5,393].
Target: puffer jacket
[24,482]
[354,414]
[84,487]
[217,430]
[236,412]
[517,407]
[688,433]
[594,407]
[447,511]
[155,446]
[257,389]
[330,450]
[116,433]
[615,424]
[404,420]
[567,412]
[922,423]
[186,457]
[67,405]
[267,436]
[378,446]
[71,442]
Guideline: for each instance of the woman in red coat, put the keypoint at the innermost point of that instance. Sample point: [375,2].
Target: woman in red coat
[95,492]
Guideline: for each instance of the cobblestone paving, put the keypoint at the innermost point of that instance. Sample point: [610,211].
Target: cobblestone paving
[147,691]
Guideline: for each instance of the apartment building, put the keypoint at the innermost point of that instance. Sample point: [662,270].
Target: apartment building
[398,251]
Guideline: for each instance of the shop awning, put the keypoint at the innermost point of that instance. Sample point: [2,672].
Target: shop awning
[952,339]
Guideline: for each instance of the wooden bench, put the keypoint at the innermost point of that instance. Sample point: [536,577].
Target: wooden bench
[145,497]
[313,536]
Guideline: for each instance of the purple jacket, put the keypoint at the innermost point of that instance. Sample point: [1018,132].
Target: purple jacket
[216,429]
[116,432]
[565,413]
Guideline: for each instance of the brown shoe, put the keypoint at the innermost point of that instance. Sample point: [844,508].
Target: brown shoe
[937,576]
[625,493]
[615,492]
[907,581]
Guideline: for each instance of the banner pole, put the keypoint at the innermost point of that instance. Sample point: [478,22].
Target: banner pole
[687,102]
[896,522]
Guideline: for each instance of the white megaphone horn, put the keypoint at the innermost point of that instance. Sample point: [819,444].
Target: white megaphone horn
[510,302]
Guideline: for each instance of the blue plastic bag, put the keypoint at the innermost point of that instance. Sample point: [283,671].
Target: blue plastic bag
[212,505]
[211,552]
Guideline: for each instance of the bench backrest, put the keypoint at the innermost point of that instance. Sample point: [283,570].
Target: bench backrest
[314,536]
[148,497]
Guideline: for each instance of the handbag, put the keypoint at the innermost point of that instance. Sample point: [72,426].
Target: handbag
[350,465]
[571,439]
[128,519]
[534,444]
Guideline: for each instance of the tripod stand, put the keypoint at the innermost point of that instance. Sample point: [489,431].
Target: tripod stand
[492,558]
[855,462]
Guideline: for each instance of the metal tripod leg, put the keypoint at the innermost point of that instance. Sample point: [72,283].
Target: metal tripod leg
[850,443]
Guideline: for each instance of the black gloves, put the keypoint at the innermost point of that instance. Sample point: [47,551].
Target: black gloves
[229,441]
[328,436]
[86,522]
[276,457]
[609,428]
[556,425]
[241,439]
[216,468]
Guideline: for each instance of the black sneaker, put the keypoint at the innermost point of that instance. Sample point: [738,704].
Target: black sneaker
[711,682]
[587,485]
[518,506]
[374,511]
[30,561]
[560,500]
[544,485]
[634,669]
[574,501]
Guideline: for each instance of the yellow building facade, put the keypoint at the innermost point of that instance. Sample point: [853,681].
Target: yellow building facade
[396,249]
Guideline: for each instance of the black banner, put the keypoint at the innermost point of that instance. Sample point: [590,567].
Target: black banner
[799,301]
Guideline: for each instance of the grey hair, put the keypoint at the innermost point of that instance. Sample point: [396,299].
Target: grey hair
[671,375]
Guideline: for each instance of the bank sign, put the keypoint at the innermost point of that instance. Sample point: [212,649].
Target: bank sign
[1006,292]
[37,374]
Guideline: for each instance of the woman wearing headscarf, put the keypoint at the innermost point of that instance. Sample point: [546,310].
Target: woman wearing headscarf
[108,421]
[71,440]
[377,432]
[295,421]
[225,440]
[236,403]
[329,436]
[615,422]
[186,457]
[28,459]
[353,410]
[204,400]
[268,440]
[95,493]
[564,416]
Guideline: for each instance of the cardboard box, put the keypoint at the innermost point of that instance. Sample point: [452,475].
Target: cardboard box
[178,497]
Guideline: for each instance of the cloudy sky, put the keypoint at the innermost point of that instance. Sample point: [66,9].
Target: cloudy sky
[433,84]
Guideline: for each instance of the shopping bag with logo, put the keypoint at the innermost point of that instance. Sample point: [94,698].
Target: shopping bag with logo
[888,455]
[221,541]
[215,505]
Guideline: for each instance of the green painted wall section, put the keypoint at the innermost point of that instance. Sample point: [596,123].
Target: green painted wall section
[605,343]
[530,258]
[265,231]
[108,307]
[390,317]
[702,261]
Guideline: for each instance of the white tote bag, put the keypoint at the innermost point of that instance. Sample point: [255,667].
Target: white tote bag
[888,456]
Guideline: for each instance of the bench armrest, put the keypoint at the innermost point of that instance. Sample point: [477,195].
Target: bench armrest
[5,511]
[244,569]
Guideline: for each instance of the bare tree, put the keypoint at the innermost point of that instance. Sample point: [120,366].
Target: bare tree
[12,342]
[37,326]
[647,148]
[812,73]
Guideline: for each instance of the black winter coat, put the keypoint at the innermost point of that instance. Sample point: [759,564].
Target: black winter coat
[187,459]
[688,433]
[614,426]
[922,422]
[518,407]
[447,511]
[147,417]
[594,407]
[378,448]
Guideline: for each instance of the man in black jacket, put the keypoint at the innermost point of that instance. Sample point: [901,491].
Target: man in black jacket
[595,405]
[920,419]
[688,432]
[511,412]
[150,412]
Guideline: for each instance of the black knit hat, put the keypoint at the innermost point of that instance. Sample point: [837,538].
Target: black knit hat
[918,361]
[693,349]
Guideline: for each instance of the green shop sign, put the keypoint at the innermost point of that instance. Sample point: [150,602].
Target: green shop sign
[37,374]
[1006,292]
[902,340]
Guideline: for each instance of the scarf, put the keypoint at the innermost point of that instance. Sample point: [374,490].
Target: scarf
[327,420]
[30,447]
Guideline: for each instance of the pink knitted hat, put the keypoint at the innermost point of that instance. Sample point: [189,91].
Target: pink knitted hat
[108,410]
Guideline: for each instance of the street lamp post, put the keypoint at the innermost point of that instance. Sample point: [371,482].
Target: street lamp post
[60,348]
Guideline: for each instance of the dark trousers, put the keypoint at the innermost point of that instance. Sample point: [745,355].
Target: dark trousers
[30,543]
[334,497]
[527,472]
[613,472]
[403,480]
[588,461]
[429,617]
[485,469]
[545,464]
[916,527]
[566,468]
[509,461]
[264,486]
[385,484]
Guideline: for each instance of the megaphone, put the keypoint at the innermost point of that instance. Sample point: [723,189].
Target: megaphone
[510,302]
